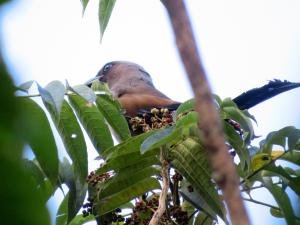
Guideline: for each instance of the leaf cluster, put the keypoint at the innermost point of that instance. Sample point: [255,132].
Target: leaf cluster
[131,169]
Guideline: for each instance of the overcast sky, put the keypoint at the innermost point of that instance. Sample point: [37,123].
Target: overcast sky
[243,45]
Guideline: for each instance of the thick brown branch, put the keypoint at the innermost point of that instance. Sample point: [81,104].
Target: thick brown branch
[210,126]
[164,192]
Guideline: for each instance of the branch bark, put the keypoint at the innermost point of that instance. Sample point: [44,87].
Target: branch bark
[210,126]
[164,192]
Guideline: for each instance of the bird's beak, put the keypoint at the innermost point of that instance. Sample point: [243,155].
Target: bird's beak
[90,82]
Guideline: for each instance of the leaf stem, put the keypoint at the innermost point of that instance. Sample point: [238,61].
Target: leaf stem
[261,203]
[266,204]
[257,187]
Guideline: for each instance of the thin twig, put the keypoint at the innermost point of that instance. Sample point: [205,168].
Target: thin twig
[257,187]
[38,95]
[266,204]
[29,96]
[261,203]
[210,126]
[164,192]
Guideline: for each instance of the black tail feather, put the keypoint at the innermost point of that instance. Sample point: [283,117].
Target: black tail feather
[257,95]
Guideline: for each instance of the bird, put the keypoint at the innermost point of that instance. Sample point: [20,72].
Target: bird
[132,85]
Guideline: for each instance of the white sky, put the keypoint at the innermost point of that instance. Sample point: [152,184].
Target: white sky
[243,44]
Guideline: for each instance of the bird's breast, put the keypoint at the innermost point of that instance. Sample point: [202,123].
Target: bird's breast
[133,102]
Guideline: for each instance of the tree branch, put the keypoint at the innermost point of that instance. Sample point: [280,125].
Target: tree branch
[164,192]
[210,126]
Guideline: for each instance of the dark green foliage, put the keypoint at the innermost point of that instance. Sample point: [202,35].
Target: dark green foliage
[21,201]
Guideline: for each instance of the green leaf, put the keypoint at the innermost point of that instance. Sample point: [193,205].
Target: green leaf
[292,157]
[101,88]
[42,183]
[218,100]
[276,213]
[187,192]
[190,209]
[160,138]
[93,122]
[20,199]
[21,202]
[282,200]
[113,116]
[287,135]
[79,219]
[185,108]
[77,190]
[238,144]
[131,145]
[53,95]
[62,212]
[245,122]
[84,5]
[84,91]
[105,10]
[135,160]
[37,132]
[120,181]
[292,182]
[25,86]
[112,202]
[227,102]
[127,155]
[189,158]
[203,219]
[72,136]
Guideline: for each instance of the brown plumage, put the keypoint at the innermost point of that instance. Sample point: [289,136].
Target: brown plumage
[132,85]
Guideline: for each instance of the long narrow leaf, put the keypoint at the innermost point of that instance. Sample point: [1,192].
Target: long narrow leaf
[42,182]
[114,201]
[105,10]
[72,136]
[195,199]
[131,145]
[84,5]
[113,116]
[287,135]
[292,182]
[282,200]
[53,95]
[77,190]
[93,122]
[120,181]
[189,158]
[62,212]
[37,132]
[237,143]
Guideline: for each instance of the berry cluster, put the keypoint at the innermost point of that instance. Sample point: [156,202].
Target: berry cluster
[180,216]
[155,119]
[177,177]
[94,178]
[143,212]
[116,217]
[88,207]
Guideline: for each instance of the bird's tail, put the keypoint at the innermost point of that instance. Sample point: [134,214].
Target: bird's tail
[257,95]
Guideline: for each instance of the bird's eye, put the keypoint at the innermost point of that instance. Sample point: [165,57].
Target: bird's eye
[106,68]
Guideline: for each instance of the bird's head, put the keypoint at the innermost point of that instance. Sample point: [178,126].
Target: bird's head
[122,76]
